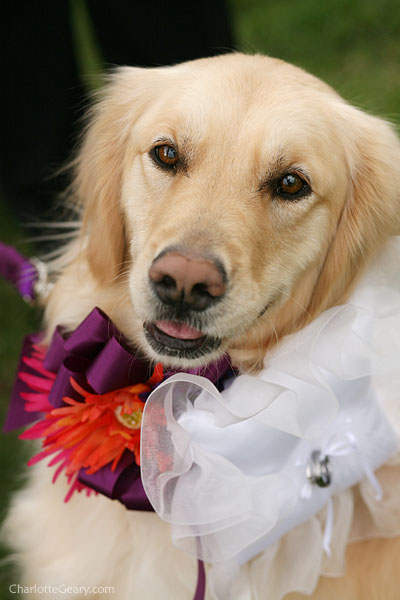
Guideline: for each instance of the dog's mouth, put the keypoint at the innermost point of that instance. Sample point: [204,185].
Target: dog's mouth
[176,339]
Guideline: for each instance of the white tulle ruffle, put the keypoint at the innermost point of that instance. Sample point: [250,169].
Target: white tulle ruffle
[231,471]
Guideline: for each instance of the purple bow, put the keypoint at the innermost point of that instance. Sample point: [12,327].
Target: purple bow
[96,354]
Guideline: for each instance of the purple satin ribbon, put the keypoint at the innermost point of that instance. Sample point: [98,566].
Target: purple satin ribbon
[98,356]
[18,270]
[201,582]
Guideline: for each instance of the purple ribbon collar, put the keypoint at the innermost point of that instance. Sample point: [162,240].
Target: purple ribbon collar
[97,357]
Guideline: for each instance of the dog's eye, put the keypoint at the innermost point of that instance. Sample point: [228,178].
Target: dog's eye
[292,186]
[165,156]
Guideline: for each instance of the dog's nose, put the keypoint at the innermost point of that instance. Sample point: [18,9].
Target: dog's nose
[184,278]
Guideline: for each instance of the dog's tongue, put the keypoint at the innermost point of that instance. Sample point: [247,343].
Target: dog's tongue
[178,330]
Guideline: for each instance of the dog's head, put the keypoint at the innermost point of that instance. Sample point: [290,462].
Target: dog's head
[237,197]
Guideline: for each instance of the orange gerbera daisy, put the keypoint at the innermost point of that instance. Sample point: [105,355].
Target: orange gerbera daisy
[93,432]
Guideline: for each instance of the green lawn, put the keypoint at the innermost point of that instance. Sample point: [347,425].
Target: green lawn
[352,44]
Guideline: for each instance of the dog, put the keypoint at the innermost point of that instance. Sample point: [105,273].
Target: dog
[225,203]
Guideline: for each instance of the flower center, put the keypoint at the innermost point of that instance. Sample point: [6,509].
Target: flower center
[131,420]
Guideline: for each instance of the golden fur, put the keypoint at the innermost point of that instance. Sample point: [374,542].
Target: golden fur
[241,122]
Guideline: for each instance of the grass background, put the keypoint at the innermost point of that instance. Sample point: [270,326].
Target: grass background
[352,44]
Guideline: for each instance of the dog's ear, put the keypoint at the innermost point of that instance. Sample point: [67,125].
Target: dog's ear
[99,165]
[372,209]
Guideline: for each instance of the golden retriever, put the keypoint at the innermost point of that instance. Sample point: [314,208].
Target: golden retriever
[226,202]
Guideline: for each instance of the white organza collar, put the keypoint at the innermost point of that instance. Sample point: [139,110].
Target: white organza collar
[234,471]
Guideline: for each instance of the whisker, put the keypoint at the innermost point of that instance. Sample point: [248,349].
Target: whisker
[303,308]
[75,225]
